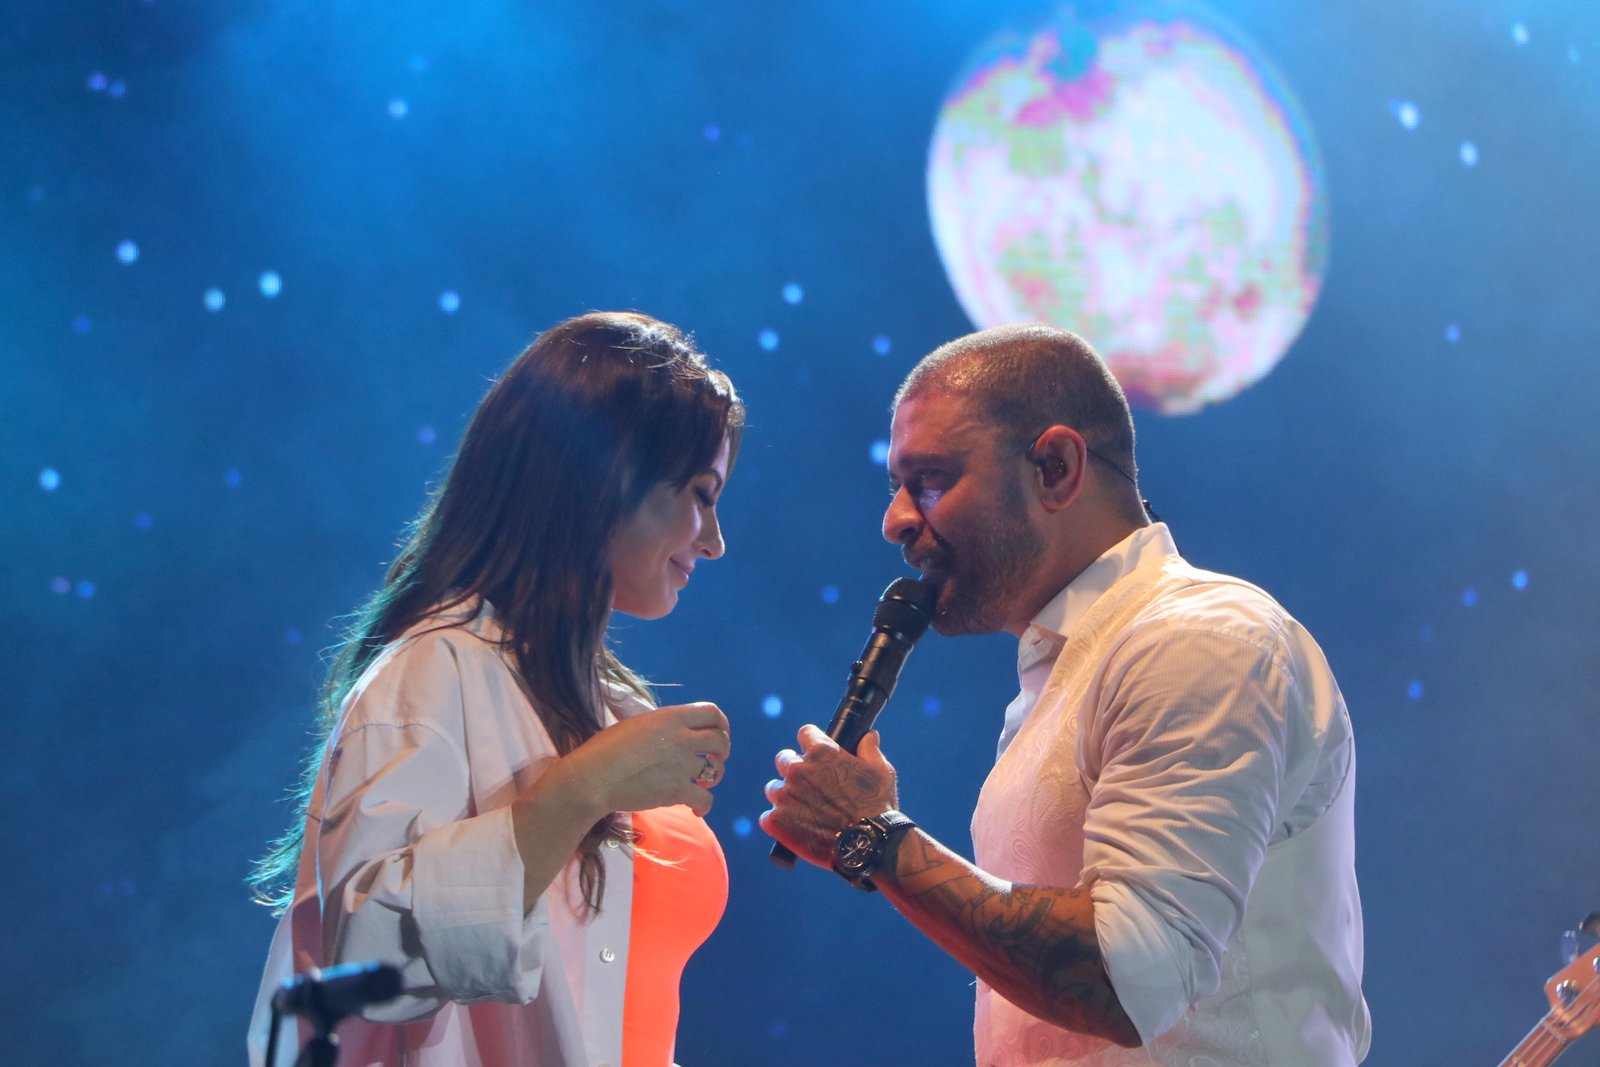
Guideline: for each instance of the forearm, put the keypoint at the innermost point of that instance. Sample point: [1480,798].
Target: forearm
[446,907]
[646,761]
[1034,945]
[550,821]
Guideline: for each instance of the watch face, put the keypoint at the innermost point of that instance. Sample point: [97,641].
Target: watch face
[857,850]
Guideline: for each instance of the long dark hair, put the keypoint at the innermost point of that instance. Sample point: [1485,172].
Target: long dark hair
[594,414]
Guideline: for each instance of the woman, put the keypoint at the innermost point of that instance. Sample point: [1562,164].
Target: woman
[499,811]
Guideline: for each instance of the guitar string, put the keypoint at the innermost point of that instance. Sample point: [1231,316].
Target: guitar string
[1541,1039]
[1532,1045]
[1547,1035]
[1544,1037]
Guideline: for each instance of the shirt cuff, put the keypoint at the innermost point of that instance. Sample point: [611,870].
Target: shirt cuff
[1140,959]
[467,904]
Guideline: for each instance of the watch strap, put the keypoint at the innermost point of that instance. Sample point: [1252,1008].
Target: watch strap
[893,821]
[878,831]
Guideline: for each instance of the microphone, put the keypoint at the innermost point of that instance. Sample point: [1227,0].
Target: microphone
[904,612]
[329,994]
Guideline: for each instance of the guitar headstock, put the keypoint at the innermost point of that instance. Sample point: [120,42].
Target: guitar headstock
[1574,991]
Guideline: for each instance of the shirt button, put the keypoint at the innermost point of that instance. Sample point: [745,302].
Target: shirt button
[612,842]
[606,955]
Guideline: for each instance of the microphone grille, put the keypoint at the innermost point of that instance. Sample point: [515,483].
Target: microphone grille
[906,607]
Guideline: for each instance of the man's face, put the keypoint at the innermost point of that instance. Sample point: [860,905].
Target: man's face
[960,511]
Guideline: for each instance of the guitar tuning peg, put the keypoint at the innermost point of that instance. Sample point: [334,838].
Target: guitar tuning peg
[1578,940]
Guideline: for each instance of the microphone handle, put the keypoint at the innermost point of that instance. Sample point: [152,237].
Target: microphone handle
[854,717]
[851,722]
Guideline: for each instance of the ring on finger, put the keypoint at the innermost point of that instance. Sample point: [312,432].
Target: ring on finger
[709,771]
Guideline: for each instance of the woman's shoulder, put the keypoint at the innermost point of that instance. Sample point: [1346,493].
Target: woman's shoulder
[469,622]
[424,675]
[625,700]
[450,633]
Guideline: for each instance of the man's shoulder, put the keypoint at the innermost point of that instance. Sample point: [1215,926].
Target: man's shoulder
[1191,600]
[1191,588]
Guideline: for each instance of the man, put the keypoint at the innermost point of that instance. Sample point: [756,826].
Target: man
[1164,849]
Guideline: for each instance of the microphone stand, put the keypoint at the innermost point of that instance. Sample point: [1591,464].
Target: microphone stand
[324,998]
[321,1048]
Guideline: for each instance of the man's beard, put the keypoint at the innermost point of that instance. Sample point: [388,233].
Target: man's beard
[979,582]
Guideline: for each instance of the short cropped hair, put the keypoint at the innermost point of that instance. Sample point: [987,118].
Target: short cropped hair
[1028,378]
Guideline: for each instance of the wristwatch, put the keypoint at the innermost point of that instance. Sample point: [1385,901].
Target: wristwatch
[859,848]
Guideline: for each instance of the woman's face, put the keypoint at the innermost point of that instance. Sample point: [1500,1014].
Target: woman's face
[656,548]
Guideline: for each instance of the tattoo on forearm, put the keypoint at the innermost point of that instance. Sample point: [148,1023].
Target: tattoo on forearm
[1034,944]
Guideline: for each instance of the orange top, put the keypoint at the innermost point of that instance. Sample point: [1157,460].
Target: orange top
[680,888]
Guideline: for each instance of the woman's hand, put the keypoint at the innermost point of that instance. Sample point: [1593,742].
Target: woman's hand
[654,759]
[662,757]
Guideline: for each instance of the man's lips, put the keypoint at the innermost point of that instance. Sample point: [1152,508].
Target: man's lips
[930,566]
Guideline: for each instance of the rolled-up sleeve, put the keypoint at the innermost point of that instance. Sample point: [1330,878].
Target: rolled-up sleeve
[1188,758]
[408,872]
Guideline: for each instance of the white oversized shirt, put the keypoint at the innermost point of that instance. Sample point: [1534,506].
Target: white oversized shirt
[1180,748]
[410,859]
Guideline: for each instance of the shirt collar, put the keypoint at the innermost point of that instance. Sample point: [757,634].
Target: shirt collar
[1048,632]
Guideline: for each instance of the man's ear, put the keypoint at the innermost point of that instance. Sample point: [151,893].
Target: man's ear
[1059,457]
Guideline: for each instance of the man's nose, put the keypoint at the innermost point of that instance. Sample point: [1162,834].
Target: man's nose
[902,522]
